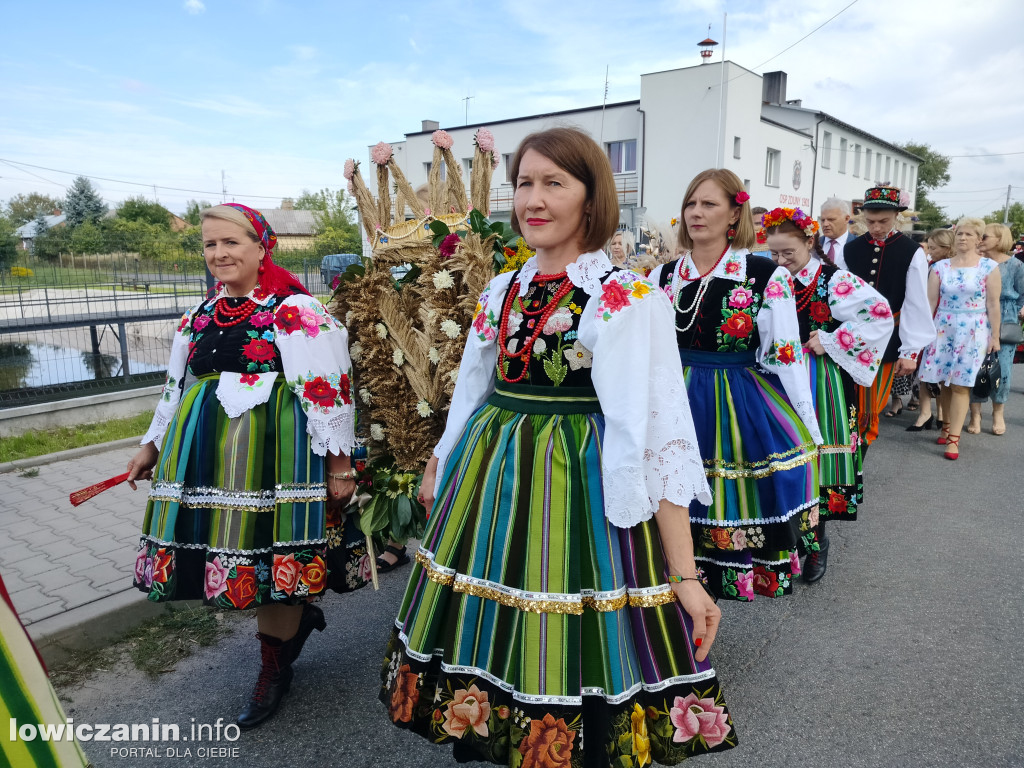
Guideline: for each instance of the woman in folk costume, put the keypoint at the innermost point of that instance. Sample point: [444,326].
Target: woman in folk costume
[248,450]
[554,615]
[844,326]
[739,339]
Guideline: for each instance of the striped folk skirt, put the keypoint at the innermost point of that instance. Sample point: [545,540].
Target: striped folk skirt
[529,618]
[840,465]
[762,467]
[236,515]
[29,708]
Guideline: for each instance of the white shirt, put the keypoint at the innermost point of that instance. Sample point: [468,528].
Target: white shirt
[840,243]
[649,451]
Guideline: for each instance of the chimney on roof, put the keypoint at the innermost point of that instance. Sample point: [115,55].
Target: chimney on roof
[430,125]
[287,204]
[773,87]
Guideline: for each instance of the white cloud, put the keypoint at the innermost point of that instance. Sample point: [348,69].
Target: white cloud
[195,6]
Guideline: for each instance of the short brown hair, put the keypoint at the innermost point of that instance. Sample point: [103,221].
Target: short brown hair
[1003,235]
[577,154]
[729,183]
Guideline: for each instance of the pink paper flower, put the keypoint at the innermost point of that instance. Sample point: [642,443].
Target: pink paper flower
[846,339]
[216,578]
[351,188]
[741,298]
[485,140]
[442,139]
[694,717]
[745,584]
[350,169]
[381,153]
[449,245]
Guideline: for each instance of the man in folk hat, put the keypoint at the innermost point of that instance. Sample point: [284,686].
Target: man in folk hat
[896,266]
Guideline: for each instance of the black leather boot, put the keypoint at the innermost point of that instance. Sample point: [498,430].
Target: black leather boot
[312,618]
[272,684]
[817,562]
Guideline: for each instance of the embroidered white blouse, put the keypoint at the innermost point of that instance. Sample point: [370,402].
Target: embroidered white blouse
[865,318]
[650,449]
[777,325]
[315,361]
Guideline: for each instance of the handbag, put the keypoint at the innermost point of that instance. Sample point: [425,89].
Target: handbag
[1010,333]
[988,377]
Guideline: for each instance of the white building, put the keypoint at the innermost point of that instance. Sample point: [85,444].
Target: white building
[690,119]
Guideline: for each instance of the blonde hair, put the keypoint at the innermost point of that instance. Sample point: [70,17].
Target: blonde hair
[1003,235]
[943,238]
[968,222]
[233,215]
[628,242]
[731,185]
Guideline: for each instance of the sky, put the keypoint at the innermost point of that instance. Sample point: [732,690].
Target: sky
[278,94]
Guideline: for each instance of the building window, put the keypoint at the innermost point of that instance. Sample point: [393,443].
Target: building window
[867,164]
[826,150]
[856,159]
[622,155]
[467,165]
[736,147]
[842,155]
[772,168]
[444,170]
[506,160]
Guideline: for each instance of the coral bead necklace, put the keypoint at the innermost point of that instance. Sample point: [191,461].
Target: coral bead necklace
[805,294]
[232,315]
[545,312]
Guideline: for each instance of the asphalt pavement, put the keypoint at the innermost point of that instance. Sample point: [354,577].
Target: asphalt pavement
[908,652]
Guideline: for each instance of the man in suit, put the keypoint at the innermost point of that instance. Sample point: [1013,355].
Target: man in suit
[894,265]
[835,229]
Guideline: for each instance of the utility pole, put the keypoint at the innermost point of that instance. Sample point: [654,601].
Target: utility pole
[605,102]
[721,96]
[223,189]
[1006,208]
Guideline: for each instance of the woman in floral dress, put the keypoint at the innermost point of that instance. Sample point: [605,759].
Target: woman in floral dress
[554,616]
[964,292]
[739,339]
[844,326]
[250,439]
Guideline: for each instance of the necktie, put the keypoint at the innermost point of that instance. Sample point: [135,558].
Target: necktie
[832,251]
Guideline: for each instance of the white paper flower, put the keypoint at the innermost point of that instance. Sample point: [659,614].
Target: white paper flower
[348,317]
[450,329]
[434,355]
[398,357]
[423,409]
[377,432]
[356,352]
[365,395]
[382,330]
[454,375]
[443,279]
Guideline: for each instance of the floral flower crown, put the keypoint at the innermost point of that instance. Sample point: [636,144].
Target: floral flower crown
[775,217]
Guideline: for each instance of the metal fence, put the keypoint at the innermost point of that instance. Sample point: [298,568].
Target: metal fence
[71,332]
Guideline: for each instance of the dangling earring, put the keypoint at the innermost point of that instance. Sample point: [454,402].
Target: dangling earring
[262,269]
[730,234]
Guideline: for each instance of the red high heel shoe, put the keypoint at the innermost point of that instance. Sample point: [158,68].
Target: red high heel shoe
[944,434]
[953,440]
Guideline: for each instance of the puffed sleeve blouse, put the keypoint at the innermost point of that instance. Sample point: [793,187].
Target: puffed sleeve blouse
[649,451]
[291,336]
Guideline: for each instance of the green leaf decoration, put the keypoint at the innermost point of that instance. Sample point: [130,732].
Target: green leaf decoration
[439,228]
[555,371]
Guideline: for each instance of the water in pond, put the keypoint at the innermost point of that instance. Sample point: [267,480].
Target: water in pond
[34,364]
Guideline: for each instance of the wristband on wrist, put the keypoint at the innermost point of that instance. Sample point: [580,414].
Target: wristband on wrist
[678,579]
[349,474]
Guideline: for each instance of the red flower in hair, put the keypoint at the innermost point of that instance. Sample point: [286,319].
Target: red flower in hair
[742,197]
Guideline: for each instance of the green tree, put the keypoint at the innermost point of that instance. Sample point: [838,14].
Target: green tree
[192,210]
[49,243]
[931,174]
[22,209]
[336,227]
[87,238]
[146,211]
[8,242]
[83,203]
[1014,219]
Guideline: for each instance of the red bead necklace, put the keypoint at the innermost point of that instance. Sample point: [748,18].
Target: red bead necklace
[684,274]
[805,294]
[525,354]
[232,315]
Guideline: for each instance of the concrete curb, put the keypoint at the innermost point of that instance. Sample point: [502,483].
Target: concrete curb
[96,624]
[72,453]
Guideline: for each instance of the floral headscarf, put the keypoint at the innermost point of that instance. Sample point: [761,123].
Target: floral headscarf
[259,223]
